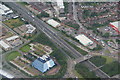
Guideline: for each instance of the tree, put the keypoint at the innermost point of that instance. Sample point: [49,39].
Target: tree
[106,35]
[43,14]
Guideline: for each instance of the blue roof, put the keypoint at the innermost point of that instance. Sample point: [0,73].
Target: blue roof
[43,65]
[43,61]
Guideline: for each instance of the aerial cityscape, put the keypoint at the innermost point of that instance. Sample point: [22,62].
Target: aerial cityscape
[60,40]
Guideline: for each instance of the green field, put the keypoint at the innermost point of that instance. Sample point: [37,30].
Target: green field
[84,71]
[77,74]
[108,59]
[98,60]
[101,60]
[107,51]
[12,55]
[112,68]
[25,48]
[12,23]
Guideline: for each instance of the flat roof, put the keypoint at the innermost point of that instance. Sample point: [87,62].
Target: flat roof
[4,9]
[12,38]
[115,24]
[53,23]
[60,3]
[31,28]
[4,73]
[4,45]
[84,40]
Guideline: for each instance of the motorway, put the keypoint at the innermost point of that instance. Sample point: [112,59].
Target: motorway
[42,26]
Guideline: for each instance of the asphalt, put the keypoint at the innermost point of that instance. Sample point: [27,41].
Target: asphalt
[42,26]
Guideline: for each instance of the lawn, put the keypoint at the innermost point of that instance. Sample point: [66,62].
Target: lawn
[43,39]
[112,68]
[25,48]
[12,23]
[77,74]
[84,71]
[23,3]
[107,51]
[108,59]
[12,55]
[98,60]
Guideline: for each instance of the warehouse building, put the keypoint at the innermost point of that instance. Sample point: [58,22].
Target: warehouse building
[115,26]
[12,38]
[43,63]
[84,40]
[53,23]
[4,10]
[5,74]
[60,4]
[4,45]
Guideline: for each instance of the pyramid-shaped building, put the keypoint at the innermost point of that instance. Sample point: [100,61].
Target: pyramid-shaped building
[43,63]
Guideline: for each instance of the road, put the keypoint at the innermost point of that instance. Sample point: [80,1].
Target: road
[42,26]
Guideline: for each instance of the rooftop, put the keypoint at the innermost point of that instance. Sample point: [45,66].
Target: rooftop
[84,40]
[30,28]
[12,38]
[43,63]
[4,10]
[4,73]
[115,24]
[4,45]
[53,23]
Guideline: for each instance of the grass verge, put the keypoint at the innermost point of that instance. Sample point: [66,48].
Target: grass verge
[11,56]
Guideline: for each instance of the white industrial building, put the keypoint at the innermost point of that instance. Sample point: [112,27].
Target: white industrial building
[12,38]
[53,23]
[30,28]
[7,75]
[60,4]
[84,40]
[4,45]
[4,10]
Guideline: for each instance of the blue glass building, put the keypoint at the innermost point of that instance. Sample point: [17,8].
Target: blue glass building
[43,63]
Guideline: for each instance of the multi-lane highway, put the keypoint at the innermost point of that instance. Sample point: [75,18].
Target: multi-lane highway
[42,26]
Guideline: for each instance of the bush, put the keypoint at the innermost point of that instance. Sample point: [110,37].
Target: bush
[99,47]
[106,35]
[66,7]
[43,14]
